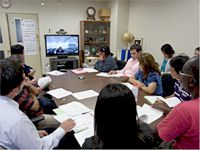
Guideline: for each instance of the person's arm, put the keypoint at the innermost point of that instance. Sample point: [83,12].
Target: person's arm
[150,89]
[31,87]
[105,65]
[24,135]
[173,125]
[160,105]
[36,105]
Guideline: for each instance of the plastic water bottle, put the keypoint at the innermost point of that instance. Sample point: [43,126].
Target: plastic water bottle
[47,68]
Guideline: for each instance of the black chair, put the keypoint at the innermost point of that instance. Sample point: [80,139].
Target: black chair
[167,84]
[2,56]
[120,64]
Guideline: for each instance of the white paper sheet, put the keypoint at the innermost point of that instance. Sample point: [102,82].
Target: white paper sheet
[148,114]
[44,81]
[74,108]
[59,93]
[81,136]
[103,74]
[133,88]
[90,70]
[171,102]
[55,73]
[85,94]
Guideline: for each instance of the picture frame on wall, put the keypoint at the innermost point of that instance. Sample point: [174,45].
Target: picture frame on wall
[138,41]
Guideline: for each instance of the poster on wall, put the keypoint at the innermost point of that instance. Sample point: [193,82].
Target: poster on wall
[26,35]
[1,38]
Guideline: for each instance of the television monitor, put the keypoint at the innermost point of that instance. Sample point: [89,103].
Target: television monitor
[62,45]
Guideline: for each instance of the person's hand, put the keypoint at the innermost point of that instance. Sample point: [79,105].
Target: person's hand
[112,72]
[124,79]
[27,82]
[67,125]
[31,73]
[139,84]
[42,133]
[160,105]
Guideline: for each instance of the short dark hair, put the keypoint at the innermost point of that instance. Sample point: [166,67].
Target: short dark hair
[17,49]
[167,49]
[106,50]
[192,67]
[11,75]
[116,108]
[178,62]
[197,49]
[137,47]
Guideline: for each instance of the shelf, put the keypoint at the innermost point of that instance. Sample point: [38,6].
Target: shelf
[97,33]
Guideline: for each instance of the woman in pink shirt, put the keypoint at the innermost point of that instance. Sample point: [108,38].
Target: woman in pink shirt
[132,65]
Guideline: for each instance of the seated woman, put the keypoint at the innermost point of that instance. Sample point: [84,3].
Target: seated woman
[168,53]
[116,126]
[148,77]
[106,62]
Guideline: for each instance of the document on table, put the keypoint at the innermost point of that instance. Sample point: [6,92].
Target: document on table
[148,114]
[133,88]
[55,73]
[103,74]
[85,94]
[84,70]
[90,70]
[74,108]
[59,93]
[171,102]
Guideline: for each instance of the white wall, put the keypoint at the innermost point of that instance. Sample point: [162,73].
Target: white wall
[166,21]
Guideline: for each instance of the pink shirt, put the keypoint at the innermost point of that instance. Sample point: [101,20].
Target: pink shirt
[132,66]
[182,125]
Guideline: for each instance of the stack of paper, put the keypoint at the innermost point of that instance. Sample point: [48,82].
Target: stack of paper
[44,82]
[59,93]
[74,108]
[133,88]
[85,94]
[55,73]
[84,70]
[171,102]
[103,74]
[148,114]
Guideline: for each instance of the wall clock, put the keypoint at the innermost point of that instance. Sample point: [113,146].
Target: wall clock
[5,3]
[91,11]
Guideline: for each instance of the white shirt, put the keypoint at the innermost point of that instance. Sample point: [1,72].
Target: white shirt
[18,132]
[131,67]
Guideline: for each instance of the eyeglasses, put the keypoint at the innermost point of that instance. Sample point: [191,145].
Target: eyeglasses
[184,74]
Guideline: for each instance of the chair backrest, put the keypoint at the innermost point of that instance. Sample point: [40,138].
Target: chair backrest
[167,84]
[120,64]
[2,56]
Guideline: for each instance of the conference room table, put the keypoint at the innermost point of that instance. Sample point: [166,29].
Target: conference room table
[72,82]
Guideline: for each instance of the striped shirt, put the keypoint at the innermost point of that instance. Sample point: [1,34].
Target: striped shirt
[180,93]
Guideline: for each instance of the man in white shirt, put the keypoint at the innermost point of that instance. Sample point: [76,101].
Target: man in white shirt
[16,130]
[132,65]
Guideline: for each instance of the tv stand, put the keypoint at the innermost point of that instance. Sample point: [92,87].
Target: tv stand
[61,57]
[63,63]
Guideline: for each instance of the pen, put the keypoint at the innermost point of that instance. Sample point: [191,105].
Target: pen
[62,100]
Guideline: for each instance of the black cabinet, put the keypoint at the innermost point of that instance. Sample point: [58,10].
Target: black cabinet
[63,63]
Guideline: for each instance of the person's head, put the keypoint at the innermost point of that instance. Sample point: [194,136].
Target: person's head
[105,51]
[147,63]
[167,51]
[135,51]
[115,116]
[190,76]
[16,58]
[197,51]
[176,64]
[18,50]
[11,77]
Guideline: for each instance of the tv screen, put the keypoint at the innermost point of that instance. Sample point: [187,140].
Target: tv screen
[57,45]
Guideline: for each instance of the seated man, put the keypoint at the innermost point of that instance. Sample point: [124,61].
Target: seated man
[17,131]
[181,125]
[132,65]
[106,62]
[19,50]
